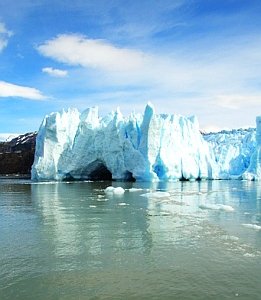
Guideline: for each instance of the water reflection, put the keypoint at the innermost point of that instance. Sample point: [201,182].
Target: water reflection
[82,222]
[14,194]
[73,237]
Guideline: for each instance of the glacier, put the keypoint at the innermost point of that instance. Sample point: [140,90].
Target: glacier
[84,146]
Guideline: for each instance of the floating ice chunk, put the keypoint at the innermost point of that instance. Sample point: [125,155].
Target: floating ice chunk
[227,208]
[135,190]
[156,195]
[220,207]
[249,255]
[109,189]
[118,191]
[92,206]
[252,226]
[114,191]
[123,204]
[44,182]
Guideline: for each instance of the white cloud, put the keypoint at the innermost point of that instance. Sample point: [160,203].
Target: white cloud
[235,102]
[77,50]
[220,79]
[4,36]
[222,71]
[12,90]
[55,72]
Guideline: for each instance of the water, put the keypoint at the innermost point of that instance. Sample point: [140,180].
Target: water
[72,241]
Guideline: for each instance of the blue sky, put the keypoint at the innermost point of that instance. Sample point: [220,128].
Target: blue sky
[188,57]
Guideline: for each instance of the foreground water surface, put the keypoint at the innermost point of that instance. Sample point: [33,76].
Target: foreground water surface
[73,241]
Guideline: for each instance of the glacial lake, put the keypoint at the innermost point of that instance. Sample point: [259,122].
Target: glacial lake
[73,241]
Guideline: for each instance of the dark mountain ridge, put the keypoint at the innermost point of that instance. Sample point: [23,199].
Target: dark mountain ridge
[17,155]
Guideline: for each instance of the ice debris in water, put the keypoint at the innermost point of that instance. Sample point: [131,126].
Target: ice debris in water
[114,191]
[156,195]
[135,190]
[220,207]
[109,190]
[76,146]
[250,255]
[252,226]
[118,191]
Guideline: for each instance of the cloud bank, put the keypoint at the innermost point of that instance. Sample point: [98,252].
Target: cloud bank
[220,75]
[220,79]
[77,50]
[11,90]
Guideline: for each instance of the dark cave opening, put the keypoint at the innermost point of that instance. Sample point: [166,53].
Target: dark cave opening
[96,171]
[129,177]
[100,172]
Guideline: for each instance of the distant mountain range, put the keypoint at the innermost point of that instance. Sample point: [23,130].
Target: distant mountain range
[17,155]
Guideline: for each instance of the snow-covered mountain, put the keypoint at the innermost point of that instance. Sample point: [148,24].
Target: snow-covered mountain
[148,147]
[17,155]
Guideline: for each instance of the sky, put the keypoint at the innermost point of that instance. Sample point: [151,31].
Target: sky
[187,57]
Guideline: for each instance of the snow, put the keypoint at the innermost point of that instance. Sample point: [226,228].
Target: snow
[7,137]
[148,147]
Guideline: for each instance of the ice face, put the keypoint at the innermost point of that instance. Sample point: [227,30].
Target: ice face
[253,171]
[258,130]
[54,140]
[232,151]
[72,145]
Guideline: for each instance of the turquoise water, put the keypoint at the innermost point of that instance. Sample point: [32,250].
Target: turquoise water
[72,241]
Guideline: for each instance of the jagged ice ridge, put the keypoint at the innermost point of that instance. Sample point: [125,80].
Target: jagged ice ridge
[74,146]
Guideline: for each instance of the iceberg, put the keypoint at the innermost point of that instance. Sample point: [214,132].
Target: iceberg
[77,146]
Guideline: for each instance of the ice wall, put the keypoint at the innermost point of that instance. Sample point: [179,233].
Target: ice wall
[253,171]
[232,150]
[149,147]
